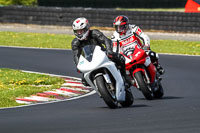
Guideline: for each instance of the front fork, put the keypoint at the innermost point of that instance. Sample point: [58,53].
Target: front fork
[156,82]
[147,79]
[107,79]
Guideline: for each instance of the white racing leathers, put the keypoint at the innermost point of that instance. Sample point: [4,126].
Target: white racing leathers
[134,35]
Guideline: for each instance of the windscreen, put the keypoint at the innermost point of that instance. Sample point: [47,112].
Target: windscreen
[87,52]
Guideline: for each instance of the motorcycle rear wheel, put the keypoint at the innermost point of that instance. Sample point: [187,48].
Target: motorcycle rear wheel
[143,85]
[107,94]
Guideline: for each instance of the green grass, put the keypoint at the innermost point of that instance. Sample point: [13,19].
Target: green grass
[176,47]
[153,9]
[39,40]
[18,2]
[15,83]
[42,40]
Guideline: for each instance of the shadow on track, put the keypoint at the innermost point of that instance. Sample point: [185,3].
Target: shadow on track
[133,106]
[164,98]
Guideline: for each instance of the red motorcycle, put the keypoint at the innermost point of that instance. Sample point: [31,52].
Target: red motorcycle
[143,73]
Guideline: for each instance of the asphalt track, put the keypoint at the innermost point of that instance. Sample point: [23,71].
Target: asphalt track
[177,112]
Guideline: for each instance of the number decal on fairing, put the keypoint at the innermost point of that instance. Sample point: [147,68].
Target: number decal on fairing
[129,48]
[82,62]
[137,54]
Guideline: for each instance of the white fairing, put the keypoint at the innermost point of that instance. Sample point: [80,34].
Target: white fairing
[100,60]
[99,57]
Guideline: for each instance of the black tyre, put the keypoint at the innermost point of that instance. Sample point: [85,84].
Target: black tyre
[129,99]
[143,86]
[159,93]
[107,94]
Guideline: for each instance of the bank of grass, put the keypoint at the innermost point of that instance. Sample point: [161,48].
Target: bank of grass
[39,40]
[63,41]
[176,47]
[15,83]
[153,9]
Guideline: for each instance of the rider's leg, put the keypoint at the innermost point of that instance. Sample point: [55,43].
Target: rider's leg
[154,59]
[127,78]
[120,61]
[84,82]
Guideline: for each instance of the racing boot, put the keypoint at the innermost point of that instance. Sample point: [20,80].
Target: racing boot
[160,69]
[84,82]
[128,82]
[120,62]
[154,59]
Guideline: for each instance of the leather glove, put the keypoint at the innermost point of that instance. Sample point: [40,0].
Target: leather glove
[146,48]
[110,53]
[120,57]
[147,51]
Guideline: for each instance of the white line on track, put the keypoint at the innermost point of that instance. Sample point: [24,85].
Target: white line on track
[19,47]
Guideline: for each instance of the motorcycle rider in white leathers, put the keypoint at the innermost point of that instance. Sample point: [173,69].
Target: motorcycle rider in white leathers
[126,33]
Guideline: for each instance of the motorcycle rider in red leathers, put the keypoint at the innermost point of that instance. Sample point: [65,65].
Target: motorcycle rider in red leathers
[126,34]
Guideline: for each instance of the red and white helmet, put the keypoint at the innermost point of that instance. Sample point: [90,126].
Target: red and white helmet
[121,24]
[81,28]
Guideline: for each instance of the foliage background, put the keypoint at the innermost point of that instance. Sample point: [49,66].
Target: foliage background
[18,2]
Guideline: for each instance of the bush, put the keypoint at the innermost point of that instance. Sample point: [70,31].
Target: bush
[18,2]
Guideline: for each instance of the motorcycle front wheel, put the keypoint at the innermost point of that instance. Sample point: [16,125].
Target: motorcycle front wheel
[159,93]
[139,76]
[107,94]
[129,99]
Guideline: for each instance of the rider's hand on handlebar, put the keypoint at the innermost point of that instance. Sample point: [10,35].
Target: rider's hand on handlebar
[146,48]
[109,53]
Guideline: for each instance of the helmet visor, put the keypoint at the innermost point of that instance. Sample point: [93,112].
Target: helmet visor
[120,28]
[80,32]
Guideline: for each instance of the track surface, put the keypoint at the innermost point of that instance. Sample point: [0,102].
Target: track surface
[177,112]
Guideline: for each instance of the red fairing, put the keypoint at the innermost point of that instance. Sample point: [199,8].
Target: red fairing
[152,70]
[138,57]
[137,70]
[139,54]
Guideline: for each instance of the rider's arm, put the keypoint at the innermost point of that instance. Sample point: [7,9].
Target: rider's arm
[142,36]
[114,39]
[76,51]
[102,39]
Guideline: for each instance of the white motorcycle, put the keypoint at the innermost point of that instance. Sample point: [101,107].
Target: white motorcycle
[104,77]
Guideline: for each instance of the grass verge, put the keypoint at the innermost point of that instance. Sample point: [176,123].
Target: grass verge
[153,9]
[43,40]
[39,40]
[15,83]
[176,47]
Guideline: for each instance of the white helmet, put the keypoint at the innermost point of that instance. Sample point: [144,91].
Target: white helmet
[81,28]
